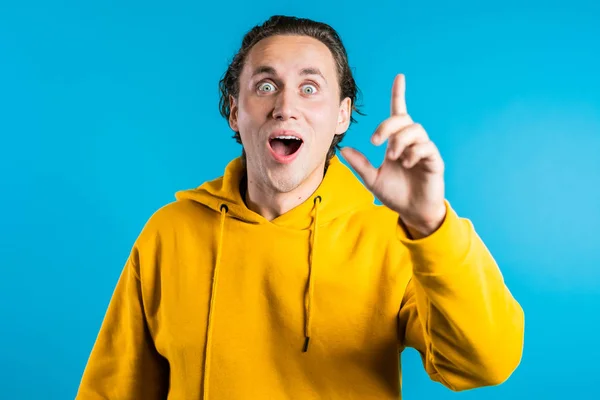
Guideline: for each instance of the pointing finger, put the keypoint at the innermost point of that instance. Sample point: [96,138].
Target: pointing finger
[398,106]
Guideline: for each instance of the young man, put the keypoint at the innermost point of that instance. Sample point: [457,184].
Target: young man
[282,279]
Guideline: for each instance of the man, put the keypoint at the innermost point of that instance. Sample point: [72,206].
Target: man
[282,279]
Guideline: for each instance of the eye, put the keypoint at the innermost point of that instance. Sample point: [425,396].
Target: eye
[266,87]
[309,89]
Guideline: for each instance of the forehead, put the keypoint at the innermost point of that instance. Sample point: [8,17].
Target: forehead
[290,54]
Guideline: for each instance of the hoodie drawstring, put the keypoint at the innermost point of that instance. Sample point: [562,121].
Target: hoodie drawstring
[308,298]
[213,297]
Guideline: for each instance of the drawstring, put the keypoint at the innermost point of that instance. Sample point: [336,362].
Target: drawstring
[213,296]
[308,299]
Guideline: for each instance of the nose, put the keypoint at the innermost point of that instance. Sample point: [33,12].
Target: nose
[285,105]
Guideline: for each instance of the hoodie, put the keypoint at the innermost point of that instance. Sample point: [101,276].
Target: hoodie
[216,302]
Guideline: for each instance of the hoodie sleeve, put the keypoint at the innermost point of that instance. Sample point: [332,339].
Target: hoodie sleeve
[124,363]
[457,311]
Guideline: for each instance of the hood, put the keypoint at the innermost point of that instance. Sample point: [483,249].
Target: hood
[340,192]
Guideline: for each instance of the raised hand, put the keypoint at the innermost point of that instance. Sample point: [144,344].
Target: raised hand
[410,181]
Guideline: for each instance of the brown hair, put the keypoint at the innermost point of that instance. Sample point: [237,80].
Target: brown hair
[284,25]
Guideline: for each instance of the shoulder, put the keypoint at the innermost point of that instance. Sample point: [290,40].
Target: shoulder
[173,219]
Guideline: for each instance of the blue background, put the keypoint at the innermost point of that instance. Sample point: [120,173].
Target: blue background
[108,108]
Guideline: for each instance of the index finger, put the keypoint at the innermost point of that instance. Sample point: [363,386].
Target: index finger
[398,106]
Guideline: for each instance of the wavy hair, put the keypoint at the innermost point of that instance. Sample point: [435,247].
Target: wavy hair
[285,25]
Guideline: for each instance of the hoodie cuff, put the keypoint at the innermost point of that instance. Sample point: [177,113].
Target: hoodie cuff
[443,250]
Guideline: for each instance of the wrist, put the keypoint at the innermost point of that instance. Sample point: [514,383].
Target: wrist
[423,227]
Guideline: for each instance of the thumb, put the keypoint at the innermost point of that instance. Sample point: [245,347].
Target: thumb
[361,165]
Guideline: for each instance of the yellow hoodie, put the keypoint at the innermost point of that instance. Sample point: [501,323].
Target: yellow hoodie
[216,302]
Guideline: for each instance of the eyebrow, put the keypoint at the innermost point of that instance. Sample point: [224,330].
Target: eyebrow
[265,69]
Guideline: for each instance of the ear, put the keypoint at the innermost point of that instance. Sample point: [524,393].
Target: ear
[344,116]
[233,112]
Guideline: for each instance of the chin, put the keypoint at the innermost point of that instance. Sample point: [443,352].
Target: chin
[286,181]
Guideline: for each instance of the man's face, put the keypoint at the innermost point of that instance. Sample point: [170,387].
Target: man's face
[288,110]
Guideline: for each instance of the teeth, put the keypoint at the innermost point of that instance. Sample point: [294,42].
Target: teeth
[287,137]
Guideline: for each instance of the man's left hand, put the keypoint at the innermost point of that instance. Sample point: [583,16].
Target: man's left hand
[410,181]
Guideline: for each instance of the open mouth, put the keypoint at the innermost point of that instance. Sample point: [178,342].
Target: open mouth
[285,146]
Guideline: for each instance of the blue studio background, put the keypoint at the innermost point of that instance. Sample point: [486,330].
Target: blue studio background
[108,108]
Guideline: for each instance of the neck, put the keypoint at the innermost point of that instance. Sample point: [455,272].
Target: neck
[270,203]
